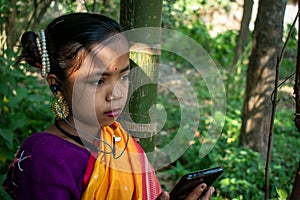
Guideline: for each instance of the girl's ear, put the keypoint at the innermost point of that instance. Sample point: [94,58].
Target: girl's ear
[54,83]
[53,79]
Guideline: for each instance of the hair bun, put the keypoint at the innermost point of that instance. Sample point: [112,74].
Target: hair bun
[30,52]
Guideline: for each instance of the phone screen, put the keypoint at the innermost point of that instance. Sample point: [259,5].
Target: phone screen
[188,182]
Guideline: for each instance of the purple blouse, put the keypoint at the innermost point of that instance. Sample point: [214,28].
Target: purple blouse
[47,167]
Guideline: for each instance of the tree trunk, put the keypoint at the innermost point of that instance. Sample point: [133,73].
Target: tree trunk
[10,28]
[295,195]
[296,188]
[10,33]
[137,14]
[38,18]
[267,39]
[244,33]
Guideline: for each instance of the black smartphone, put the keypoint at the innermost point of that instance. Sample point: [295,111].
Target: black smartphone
[190,181]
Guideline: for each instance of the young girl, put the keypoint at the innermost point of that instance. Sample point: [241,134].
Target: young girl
[85,154]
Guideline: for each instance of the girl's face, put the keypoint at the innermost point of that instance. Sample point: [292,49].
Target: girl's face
[98,90]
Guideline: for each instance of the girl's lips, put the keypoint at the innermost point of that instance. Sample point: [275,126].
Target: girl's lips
[113,113]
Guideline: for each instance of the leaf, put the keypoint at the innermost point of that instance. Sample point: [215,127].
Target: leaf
[11,81]
[21,94]
[7,135]
[18,120]
[4,88]
[2,158]
[283,195]
[17,74]
[6,153]
[35,97]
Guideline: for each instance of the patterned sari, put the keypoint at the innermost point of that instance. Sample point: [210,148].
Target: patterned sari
[126,175]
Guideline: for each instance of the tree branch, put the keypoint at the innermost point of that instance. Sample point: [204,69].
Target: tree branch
[295,195]
[274,103]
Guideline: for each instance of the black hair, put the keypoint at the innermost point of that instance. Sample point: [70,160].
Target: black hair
[66,36]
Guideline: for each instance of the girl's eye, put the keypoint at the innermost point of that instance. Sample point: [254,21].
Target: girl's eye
[100,82]
[125,77]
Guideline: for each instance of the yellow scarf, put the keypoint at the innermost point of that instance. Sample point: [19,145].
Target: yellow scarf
[128,177]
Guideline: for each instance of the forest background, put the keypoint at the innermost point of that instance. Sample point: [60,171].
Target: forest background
[215,24]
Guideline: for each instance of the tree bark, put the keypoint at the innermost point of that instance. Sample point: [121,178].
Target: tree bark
[267,39]
[295,195]
[296,188]
[244,33]
[11,21]
[137,14]
[38,18]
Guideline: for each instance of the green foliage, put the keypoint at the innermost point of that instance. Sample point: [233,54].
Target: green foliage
[181,13]
[223,49]
[244,176]
[109,8]
[24,108]
[244,169]
[25,103]
[188,17]
[4,8]
[282,194]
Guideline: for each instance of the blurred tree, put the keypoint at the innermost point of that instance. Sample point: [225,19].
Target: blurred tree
[266,46]
[13,20]
[295,195]
[244,33]
[25,98]
[16,16]
[145,56]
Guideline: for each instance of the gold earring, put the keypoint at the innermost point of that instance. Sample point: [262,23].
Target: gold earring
[61,107]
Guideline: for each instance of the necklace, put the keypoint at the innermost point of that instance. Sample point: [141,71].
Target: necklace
[89,145]
[76,138]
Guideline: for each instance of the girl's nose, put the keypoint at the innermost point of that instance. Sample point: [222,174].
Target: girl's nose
[115,93]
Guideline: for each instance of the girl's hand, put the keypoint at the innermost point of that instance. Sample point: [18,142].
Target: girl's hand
[163,196]
[194,195]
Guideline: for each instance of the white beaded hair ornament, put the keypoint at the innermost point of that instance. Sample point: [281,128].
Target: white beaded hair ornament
[42,47]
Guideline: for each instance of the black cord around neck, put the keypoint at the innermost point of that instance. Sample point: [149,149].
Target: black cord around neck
[76,138]
[91,146]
